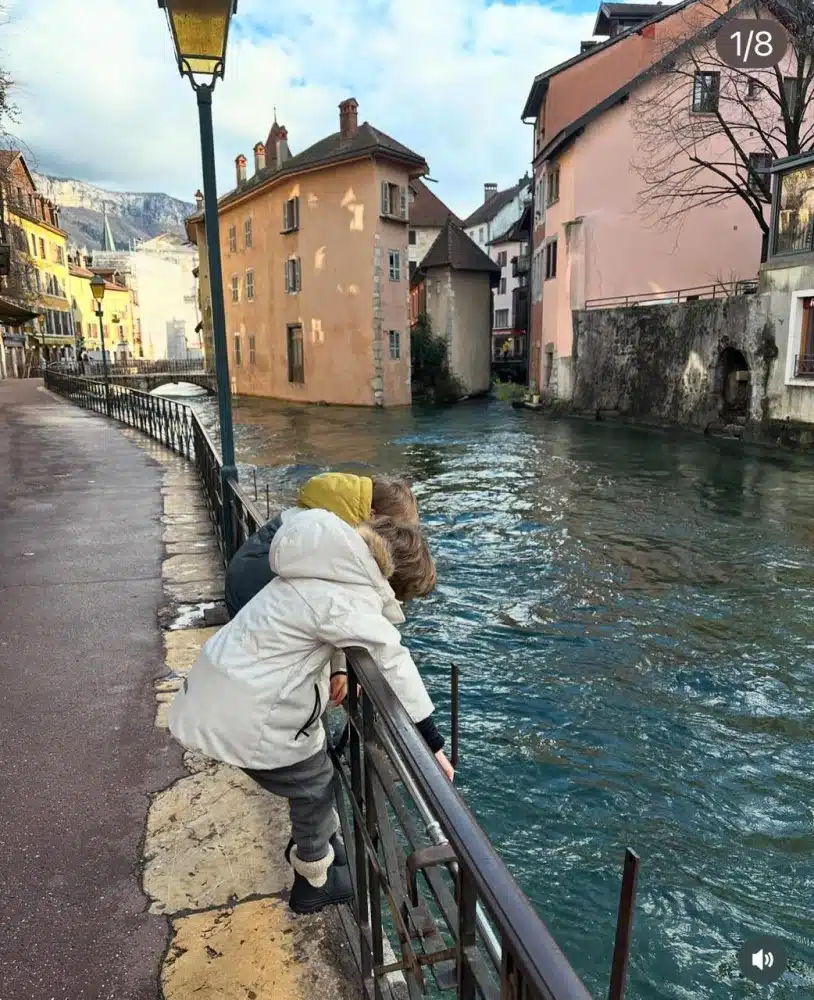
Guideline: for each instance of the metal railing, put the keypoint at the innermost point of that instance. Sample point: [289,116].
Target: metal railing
[804,366]
[717,290]
[167,366]
[434,902]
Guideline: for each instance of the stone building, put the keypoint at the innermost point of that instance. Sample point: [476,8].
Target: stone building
[428,214]
[315,267]
[453,287]
[737,364]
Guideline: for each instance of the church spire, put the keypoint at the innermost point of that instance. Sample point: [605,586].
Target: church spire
[107,235]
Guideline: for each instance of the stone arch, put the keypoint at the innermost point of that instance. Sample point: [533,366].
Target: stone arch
[732,384]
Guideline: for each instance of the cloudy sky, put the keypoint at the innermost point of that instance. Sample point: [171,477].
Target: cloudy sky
[101,100]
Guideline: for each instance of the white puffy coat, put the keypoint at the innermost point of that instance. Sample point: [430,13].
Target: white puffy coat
[256,693]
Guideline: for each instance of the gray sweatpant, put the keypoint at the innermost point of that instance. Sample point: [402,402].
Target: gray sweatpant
[308,786]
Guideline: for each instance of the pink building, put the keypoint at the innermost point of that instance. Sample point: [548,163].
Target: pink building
[590,238]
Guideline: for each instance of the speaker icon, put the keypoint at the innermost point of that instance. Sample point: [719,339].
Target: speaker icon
[763,958]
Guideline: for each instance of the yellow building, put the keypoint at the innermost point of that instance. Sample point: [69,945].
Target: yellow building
[40,245]
[119,315]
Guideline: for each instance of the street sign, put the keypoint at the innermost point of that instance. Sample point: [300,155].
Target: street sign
[14,339]
[5,259]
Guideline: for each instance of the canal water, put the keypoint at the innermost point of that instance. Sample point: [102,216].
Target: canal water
[632,615]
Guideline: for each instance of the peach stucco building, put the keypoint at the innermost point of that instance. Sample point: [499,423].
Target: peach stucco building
[316,268]
[591,240]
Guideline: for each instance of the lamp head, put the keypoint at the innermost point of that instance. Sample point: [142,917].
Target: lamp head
[200,31]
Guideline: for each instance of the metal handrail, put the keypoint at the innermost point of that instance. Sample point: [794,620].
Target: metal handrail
[718,289]
[488,906]
[542,965]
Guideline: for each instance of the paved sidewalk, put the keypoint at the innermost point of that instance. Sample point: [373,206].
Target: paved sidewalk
[80,588]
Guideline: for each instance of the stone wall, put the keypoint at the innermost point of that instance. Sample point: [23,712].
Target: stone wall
[677,364]
[663,363]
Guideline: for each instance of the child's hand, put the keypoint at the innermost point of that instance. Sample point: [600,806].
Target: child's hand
[339,688]
[446,767]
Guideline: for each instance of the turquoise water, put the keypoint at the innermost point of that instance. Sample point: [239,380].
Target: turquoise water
[632,615]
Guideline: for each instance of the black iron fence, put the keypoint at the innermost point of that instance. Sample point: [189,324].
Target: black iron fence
[435,906]
[166,366]
[717,290]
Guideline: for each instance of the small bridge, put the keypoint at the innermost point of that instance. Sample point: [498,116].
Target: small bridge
[148,375]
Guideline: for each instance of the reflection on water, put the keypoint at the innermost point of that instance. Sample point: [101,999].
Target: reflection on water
[631,613]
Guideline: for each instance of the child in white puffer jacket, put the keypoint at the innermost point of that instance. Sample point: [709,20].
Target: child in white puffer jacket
[255,696]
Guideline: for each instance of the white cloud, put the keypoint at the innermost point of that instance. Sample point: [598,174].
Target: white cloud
[101,99]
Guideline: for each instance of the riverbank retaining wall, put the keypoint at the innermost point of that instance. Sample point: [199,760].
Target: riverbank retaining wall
[671,364]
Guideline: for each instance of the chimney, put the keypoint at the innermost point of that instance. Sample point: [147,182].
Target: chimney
[489,191]
[283,152]
[240,169]
[259,157]
[198,200]
[348,118]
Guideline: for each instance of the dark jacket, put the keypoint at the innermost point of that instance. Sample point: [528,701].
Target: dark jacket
[250,570]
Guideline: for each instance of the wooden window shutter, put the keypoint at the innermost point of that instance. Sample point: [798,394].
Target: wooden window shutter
[403,202]
[385,198]
[296,220]
[285,216]
[298,273]
[287,276]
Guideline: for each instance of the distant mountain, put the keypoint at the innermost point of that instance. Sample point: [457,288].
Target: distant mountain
[131,216]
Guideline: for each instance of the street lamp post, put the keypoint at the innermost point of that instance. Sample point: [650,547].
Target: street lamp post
[97,287]
[200,30]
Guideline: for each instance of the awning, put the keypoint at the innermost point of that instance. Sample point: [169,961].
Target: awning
[13,315]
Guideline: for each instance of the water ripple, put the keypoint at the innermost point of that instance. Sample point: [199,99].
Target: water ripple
[631,613]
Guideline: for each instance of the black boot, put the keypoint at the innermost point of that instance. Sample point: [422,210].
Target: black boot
[340,854]
[308,895]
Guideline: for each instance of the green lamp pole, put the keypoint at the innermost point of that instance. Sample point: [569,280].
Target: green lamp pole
[97,287]
[200,31]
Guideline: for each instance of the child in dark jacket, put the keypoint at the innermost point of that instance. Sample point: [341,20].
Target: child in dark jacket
[355,499]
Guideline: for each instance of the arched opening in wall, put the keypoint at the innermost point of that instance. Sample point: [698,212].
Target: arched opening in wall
[733,383]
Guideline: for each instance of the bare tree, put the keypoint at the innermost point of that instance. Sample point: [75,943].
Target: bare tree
[705,131]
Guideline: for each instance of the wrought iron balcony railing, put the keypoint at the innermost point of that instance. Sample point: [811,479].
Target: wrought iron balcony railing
[804,366]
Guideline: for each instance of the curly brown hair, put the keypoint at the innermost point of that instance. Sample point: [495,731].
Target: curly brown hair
[394,498]
[412,568]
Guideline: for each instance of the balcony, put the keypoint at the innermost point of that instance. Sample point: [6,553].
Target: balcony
[520,265]
[804,366]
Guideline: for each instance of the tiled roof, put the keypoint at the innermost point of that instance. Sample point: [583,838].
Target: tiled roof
[489,209]
[540,84]
[568,134]
[453,248]
[427,209]
[625,12]
[333,149]
[518,232]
